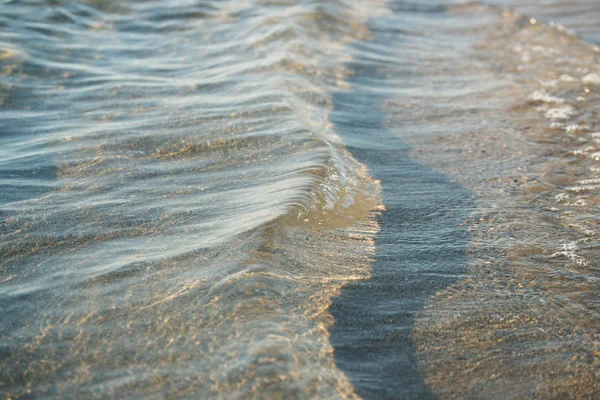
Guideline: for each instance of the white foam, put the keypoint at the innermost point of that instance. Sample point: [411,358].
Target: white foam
[568,250]
[577,128]
[563,29]
[550,83]
[583,188]
[565,112]
[561,197]
[589,182]
[543,96]
[544,50]
[591,79]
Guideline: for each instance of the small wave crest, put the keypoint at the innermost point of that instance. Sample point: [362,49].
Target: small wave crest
[201,211]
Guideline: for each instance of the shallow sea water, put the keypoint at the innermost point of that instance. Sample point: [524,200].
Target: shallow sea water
[299,199]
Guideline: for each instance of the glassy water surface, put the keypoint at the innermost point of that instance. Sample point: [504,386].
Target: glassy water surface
[299,199]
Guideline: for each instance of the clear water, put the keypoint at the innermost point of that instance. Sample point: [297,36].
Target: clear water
[311,199]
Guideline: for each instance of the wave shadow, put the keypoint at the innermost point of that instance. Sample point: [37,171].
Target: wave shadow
[420,249]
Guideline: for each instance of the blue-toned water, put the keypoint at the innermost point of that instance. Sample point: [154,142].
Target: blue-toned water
[299,199]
